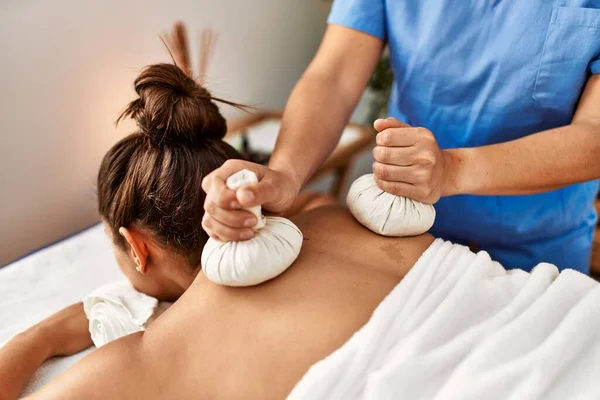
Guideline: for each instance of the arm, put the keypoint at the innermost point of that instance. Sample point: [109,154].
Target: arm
[64,333]
[322,101]
[317,111]
[410,163]
[107,373]
[19,359]
[544,161]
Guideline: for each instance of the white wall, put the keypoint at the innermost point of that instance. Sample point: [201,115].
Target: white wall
[67,68]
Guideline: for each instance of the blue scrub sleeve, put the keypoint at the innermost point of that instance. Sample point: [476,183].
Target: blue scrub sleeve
[595,67]
[367,16]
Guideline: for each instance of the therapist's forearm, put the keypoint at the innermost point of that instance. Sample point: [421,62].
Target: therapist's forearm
[315,115]
[322,101]
[537,163]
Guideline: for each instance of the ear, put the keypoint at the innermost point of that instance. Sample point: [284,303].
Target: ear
[137,246]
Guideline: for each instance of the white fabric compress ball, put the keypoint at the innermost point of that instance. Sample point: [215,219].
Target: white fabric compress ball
[385,213]
[273,249]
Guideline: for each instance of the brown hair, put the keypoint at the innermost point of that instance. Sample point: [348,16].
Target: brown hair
[152,178]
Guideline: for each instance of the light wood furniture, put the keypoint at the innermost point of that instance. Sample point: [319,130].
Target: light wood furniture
[340,160]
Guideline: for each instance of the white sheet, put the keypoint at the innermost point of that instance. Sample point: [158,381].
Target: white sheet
[39,285]
[459,326]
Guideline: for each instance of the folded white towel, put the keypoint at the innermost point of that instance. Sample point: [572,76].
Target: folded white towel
[116,310]
[459,326]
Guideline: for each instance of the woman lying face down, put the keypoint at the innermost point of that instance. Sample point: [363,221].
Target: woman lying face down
[151,203]
[217,341]
[149,184]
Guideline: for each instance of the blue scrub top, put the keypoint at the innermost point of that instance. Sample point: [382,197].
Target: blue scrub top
[479,72]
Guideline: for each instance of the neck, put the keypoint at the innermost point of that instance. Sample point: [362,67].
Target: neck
[178,277]
[183,278]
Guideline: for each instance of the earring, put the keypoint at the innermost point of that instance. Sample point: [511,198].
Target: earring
[138,269]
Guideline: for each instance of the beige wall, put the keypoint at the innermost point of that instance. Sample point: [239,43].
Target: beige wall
[66,70]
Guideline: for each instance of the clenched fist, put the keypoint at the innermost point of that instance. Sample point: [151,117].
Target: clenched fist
[224,217]
[409,161]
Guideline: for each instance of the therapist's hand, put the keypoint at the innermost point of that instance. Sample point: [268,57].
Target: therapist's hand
[409,161]
[224,219]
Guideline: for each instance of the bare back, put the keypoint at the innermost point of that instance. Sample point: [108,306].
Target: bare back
[256,343]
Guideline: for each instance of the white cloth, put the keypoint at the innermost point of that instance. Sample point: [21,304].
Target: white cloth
[385,213]
[273,249]
[43,283]
[242,178]
[459,326]
[116,310]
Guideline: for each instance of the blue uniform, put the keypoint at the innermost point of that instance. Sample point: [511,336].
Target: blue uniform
[479,72]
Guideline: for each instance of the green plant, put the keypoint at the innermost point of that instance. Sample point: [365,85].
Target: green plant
[383,76]
[380,85]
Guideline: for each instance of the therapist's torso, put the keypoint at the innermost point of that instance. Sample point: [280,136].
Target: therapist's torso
[479,72]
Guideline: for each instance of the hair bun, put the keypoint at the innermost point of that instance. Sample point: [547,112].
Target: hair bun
[173,108]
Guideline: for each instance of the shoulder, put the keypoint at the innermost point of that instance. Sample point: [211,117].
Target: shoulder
[323,217]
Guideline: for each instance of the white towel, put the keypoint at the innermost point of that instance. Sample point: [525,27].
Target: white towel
[117,309]
[459,326]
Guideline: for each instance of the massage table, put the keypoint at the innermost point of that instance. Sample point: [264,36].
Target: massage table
[50,279]
[459,326]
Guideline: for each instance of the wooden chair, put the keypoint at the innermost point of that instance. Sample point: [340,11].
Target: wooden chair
[340,161]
